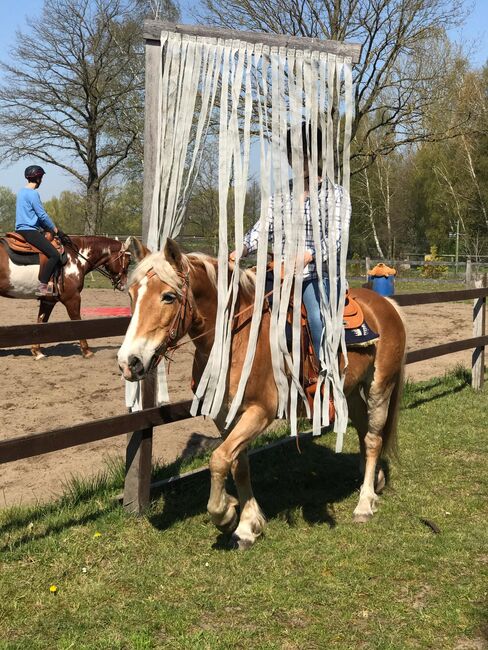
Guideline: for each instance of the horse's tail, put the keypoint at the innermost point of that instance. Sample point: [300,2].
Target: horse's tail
[390,442]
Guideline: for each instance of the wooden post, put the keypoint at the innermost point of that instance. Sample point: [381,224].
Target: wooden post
[479,322]
[468,271]
[368,265]
[138,463]
[138,460]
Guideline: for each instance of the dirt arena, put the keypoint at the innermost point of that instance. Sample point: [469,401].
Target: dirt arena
[64,389]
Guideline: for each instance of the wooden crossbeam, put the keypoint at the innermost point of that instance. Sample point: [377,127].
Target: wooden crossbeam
[153,29]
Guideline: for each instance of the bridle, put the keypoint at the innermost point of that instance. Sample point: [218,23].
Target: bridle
[116,281]
[178,325]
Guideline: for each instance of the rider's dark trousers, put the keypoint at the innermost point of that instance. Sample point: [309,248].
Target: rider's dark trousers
[38,240]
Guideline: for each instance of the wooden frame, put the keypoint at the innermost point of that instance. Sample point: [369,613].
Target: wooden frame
[153,29]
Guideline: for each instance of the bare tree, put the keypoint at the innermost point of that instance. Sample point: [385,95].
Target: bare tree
[74,96]
[403,62]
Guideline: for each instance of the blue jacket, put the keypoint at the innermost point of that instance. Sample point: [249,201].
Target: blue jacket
[30,213]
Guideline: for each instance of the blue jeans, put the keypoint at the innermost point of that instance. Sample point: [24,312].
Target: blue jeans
[311,300]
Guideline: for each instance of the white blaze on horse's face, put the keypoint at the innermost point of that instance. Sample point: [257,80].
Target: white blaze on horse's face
[155,306]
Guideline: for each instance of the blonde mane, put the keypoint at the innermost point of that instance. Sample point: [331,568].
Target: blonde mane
[162,268]
[166,273]
[247,279]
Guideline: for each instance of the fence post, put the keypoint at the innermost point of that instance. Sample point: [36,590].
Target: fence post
[138,460]
[479,321]
[368,265]
[468,271]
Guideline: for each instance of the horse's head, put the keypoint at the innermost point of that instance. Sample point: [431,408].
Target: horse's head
[117,265]
[161,305]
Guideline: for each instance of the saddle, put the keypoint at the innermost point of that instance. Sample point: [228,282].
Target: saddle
[22,253]
[357,334]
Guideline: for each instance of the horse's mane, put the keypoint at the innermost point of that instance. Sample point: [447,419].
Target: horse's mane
[247,279]
[166,272]
[162,268]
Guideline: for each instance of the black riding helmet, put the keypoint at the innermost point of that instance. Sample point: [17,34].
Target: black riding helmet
[34,171]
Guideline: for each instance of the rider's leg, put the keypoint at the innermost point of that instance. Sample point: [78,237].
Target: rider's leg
[38,240]
[311,300]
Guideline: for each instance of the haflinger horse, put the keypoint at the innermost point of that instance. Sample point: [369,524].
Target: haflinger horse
[86,254]
[173,294]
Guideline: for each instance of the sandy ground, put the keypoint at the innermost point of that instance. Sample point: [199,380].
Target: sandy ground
[64,389]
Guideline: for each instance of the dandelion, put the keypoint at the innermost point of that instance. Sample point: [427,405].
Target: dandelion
[53,589]
[97,534]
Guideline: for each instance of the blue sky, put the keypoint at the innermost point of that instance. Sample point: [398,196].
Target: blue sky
[474,35]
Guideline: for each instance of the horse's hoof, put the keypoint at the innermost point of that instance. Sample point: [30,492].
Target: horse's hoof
[361,517]
[241,544]
[87,354]
[39,356]
[230,525]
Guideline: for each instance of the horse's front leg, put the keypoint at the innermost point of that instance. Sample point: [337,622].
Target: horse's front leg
[45,309]
[73,305]
[232,455]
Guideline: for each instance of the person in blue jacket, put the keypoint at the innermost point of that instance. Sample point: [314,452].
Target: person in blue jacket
[31,220]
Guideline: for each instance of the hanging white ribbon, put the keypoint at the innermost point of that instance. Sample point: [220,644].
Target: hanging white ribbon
[282,88]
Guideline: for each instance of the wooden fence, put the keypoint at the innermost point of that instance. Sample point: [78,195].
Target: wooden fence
[139,425]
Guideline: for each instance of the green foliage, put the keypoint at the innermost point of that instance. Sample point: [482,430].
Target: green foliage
[7,209]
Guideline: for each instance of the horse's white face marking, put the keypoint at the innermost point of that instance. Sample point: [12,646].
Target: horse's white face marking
[133,344]
[149,327]
[23,280]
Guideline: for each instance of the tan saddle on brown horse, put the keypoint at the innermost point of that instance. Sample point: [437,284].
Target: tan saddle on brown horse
[18,244]
[358,334]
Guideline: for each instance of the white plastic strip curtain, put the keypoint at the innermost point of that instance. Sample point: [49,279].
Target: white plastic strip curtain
[292,88]
[282,88]
[189,75]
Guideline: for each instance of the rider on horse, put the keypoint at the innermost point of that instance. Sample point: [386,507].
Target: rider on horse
[310,287]
[31,219]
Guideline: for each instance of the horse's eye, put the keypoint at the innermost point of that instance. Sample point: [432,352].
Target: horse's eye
[168,297]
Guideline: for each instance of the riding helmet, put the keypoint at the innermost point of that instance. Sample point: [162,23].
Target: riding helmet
[34,171]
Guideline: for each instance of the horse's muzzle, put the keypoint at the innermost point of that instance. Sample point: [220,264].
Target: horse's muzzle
[133,370]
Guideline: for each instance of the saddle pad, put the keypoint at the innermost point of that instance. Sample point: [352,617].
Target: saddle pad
[21,259]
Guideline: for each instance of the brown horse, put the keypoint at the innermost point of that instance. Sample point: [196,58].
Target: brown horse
[86,254]
[173,294]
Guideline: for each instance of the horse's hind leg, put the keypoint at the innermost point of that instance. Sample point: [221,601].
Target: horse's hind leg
[45,309]
[358,413]
[371,442]
[73,305]
[231,455]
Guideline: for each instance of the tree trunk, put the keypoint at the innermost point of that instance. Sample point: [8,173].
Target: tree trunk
[93,209]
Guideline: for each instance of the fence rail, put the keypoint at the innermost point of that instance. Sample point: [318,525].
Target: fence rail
[139,425]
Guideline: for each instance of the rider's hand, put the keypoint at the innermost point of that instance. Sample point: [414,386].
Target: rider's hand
[63,238]
[307,258]
[233,254]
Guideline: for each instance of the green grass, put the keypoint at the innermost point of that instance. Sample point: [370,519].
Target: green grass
[315,580]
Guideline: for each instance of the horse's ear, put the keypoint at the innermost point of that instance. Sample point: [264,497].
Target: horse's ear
[135,248]
[172,254]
